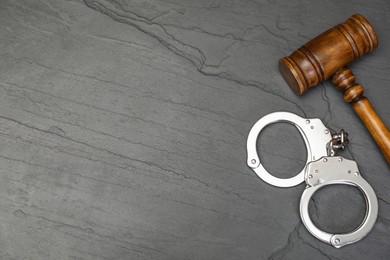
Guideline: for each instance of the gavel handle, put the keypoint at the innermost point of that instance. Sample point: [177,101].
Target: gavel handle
[353,94]
[374,125]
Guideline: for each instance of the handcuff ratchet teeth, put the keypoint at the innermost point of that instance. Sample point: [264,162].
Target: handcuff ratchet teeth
[322,168]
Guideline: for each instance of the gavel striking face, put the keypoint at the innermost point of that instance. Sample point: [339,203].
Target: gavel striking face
[326,56]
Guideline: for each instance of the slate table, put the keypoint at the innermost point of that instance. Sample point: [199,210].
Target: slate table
[123,128]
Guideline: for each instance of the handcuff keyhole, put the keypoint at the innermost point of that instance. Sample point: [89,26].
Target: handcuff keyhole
[282,150]
[337,208]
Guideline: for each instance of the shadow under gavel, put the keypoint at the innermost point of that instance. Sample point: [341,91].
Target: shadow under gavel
[326,56]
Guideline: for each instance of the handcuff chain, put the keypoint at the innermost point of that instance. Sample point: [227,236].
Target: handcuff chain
[338,141]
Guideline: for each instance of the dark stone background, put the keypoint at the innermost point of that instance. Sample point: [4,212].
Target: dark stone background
[123,128]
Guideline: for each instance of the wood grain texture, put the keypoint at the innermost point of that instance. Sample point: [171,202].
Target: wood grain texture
[374,124]
[123,127]
[326,55]
[323,56]
[344,80]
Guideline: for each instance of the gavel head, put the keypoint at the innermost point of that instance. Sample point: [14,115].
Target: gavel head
[330,51]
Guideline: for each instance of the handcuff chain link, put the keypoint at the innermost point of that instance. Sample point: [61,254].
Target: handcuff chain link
[338,141]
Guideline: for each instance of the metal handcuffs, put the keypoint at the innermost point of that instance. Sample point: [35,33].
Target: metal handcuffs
[322,168]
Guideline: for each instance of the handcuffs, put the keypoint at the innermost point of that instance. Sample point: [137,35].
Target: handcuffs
[322,168]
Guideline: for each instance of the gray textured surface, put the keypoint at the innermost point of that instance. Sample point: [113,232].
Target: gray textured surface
[123,127]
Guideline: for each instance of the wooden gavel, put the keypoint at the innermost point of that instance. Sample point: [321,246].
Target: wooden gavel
[326,56]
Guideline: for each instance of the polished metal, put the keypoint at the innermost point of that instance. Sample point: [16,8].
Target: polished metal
[322,168]
[338,141]
[332,171]
[314,133]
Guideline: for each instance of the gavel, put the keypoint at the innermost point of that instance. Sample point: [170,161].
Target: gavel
[326,56]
